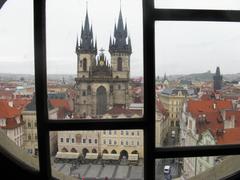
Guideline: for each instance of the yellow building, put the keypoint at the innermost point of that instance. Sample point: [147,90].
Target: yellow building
[173,100]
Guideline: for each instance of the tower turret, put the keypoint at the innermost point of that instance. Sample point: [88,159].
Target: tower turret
[120,36]
[217,78]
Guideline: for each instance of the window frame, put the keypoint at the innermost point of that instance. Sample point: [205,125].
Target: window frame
[147,122]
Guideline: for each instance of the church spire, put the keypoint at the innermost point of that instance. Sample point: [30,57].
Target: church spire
[119,43]
[77,46]
[86,41]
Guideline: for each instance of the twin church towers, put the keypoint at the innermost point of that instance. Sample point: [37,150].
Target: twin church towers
[101,85]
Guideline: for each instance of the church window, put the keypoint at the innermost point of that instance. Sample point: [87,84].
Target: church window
[29,137]
[119,64]
[119,86]
[84,93]
[84,64]
[89,90]
[111,88]
[80,63]
[101,100]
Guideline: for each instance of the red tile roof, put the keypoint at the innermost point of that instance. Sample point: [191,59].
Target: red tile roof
[8,112]
[11,123]
[229,136]
[213,119]
[213,122]
[58,103]
[194,106]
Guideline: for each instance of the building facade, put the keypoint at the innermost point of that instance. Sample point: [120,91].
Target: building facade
[11,122]
[30,129]
[173,100]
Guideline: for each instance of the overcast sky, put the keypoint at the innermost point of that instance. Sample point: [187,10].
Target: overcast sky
[181,47]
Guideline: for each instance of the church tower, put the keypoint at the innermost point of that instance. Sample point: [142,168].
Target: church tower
[86,50]
[100,85]
[120,50]
[217,78]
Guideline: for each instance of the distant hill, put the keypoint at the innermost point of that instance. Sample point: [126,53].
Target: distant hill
[206,76]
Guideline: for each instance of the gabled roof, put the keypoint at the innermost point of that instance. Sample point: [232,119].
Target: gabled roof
[7,111]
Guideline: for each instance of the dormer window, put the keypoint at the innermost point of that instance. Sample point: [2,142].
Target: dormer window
[18,120]
[3,122]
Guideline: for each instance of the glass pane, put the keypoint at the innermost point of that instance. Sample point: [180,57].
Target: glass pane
[210,167]
[197,83]
[112,154]
[17,105]
[95,58]
[203,4]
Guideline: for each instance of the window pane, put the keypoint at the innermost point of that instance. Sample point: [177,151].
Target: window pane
[107,156]
[203,4]
[214,167]
[197,83]
[95,58]
[17,105]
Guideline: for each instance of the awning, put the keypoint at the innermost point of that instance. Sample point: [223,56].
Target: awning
[110,156]
[91,156]
[67,155]
[133,157]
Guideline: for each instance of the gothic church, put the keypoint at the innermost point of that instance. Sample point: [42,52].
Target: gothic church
[101,85]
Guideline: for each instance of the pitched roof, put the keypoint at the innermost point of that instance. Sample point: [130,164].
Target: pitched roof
[212,122]
[194,106]
[7,111]
[230,136]
[60,103]
[208,114]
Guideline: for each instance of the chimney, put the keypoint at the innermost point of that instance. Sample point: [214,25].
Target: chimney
[220,132]
[10,103]
[214,106]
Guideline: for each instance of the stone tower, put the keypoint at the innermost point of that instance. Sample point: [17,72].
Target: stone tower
[99,84]
[217,80]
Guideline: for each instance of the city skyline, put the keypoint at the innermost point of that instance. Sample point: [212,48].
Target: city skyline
[181,47]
